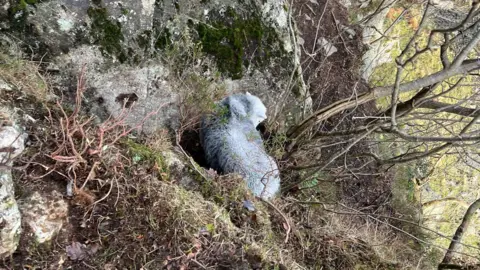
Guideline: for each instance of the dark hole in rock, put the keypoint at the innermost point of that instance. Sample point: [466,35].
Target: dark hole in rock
[191,144]
[100,100]
[262,128]
[127,99]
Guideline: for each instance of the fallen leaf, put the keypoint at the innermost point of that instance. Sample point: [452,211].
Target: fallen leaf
[212,173]
[191,255]
[314,2]
[109,266]
[76,251]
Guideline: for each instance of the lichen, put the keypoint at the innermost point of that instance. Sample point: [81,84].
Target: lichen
[237,41]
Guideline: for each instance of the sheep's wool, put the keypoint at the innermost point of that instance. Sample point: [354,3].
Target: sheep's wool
[232,143]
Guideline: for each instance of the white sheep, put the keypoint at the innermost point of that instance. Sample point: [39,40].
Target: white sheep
[232,143]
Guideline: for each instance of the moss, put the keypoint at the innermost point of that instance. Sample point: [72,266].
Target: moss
[143,39]
[163,38]
[141,153]
[17,15]
[107,33]
[235,41]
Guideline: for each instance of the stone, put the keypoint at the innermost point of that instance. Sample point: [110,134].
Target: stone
[12,141]
[123,45]
[378,49]
[44,214]
[5,86]
[146,89]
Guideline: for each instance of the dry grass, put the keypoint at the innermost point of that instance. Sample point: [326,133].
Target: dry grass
[160,141]
[25,77]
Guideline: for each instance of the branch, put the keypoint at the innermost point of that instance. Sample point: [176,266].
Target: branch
[450,108]
[379,92]
[465,67]
[448,199]
[344,151]
[413,156]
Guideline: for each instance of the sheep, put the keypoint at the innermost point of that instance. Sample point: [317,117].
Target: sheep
[232,143]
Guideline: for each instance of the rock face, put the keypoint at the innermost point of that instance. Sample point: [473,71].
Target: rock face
[11,145]
[44,214]
[378,50]
[137,49]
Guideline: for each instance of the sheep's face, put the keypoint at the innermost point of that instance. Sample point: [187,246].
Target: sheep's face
[258,111]
[247,107]
[258,117]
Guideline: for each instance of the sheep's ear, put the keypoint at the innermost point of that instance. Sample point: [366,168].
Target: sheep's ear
[248,94]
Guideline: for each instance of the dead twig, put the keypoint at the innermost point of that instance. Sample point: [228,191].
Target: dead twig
[287,223]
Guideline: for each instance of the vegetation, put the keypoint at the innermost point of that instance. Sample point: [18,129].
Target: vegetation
[379,176]
[107,33]
[236,42]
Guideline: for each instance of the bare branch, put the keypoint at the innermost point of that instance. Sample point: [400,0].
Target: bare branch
[450,108]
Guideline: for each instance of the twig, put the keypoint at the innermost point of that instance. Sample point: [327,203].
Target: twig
[318,26]
[340,34]
[289,228]
[91,174]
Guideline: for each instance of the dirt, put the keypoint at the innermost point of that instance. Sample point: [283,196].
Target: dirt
[334,78]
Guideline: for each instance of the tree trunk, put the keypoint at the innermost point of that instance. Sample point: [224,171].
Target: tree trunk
[467,220]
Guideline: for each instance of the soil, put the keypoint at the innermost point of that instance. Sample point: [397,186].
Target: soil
[334,78]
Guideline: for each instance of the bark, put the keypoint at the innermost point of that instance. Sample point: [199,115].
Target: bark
[467,220]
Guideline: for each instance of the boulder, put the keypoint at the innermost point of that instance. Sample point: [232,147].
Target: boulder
[137,48]
[12,141]
[44,214]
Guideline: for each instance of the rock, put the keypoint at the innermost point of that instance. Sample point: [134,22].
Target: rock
[178,169]
[378,50]
[12,144]
[145,88]
[328,48]
[12,141]
[9,216]
[44,214]
[127,48]
[443,4]
[5,86]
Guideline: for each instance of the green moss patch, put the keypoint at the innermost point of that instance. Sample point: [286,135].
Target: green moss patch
[237,41]
[141,153]
[107,33]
